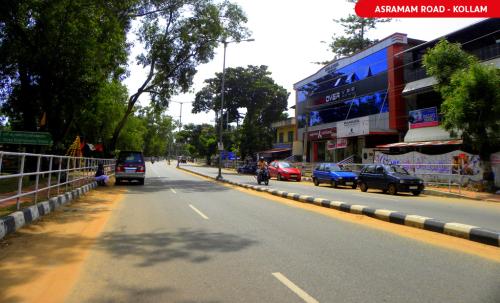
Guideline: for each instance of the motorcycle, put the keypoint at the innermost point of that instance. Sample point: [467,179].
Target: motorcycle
[263,176]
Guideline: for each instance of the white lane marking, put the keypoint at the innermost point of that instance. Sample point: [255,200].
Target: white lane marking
[199,212]
[297,290]
[173,190]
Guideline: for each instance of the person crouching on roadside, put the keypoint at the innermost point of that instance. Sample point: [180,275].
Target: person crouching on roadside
[100,177]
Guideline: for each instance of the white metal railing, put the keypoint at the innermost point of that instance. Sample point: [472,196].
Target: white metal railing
[70,172]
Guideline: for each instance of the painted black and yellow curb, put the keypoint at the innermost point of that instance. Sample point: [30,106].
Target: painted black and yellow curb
[18,219]
[465,231]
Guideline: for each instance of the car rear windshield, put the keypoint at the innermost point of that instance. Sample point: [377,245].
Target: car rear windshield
[130,157]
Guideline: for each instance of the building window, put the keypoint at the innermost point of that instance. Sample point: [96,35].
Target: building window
[281,138]
[290,136]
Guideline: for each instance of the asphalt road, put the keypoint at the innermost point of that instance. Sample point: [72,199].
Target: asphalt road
[180,238]
[466,211]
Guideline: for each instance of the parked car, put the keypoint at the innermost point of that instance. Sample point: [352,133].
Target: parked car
[249,168]
[389,178]
[182,159]
[130,166]
[282,170]
[332,173]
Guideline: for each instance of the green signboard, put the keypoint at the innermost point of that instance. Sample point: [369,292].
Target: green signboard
[30,138]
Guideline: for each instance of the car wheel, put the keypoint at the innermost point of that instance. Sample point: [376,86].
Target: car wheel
[363,187]
[392,190]
[141,182]
[279,177]
[118,181]
[354,186]
[266,182]
[334,184]
[416,192]
[315,181]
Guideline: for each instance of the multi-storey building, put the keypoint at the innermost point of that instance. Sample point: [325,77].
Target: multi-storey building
[352,103]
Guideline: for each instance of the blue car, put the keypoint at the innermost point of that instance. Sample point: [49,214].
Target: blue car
[333,174]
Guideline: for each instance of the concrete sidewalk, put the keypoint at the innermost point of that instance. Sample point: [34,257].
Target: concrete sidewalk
[434,191]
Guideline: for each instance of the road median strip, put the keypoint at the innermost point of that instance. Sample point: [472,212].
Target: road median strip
[469,232]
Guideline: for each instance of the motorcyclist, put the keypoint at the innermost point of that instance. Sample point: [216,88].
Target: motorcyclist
[261,166]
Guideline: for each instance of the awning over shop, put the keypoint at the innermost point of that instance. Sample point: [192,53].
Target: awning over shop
[422,143]
[275,150]
[419,85]
[434,133]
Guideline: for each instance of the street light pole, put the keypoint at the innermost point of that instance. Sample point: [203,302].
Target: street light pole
[180,127]
[221,118]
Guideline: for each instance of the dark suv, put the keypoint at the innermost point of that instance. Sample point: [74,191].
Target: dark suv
[130,166]
[389,178]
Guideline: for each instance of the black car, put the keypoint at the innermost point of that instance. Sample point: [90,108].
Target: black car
[130,166]
[389,178]
[249,168]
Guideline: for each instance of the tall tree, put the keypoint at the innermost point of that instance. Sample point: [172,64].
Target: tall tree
[177,36]
[354,38]
[253,89]
[55,57]
[471,93]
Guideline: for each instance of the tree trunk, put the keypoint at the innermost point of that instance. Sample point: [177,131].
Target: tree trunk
[131,103]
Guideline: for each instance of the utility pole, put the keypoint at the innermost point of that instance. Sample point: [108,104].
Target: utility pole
[180,127]
[220,147]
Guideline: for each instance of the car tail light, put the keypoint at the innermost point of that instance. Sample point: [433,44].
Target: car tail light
[119,168]
[140,169]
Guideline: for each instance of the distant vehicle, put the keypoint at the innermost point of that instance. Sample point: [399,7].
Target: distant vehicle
[249,168]
[182,159]
[130,166]
[333,174]
[282,170]
[389,178]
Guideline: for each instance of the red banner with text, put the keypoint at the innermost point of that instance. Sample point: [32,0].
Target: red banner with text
[428,8]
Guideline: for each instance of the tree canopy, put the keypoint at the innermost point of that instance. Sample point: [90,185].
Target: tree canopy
[56,57]
[179,35]
[64,60]
[254,90]
[471,93]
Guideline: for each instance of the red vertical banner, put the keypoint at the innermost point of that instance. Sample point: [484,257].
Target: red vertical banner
[397,107]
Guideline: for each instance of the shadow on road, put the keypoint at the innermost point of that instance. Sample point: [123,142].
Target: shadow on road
[192,245]
[154,184]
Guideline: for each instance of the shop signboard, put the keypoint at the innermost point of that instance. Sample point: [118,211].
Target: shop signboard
[353,127]
[424,117]
[28,138]
[341,143]
[323,134]
[336,143]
